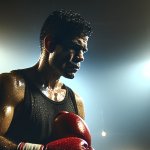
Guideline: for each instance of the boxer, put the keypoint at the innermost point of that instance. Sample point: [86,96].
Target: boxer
[30,98]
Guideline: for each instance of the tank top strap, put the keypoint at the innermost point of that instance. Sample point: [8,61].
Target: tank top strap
[72,97]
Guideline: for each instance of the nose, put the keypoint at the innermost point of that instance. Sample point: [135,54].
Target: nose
[79,57]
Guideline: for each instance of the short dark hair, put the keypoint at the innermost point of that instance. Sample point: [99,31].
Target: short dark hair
[63,24]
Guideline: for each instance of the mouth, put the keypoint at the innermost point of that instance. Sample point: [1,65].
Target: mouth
[72,67]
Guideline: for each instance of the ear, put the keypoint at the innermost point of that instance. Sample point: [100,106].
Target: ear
[49,44]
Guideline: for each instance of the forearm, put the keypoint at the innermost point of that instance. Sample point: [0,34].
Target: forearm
[6,144]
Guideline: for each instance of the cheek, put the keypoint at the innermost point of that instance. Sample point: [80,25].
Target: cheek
[64,58]
[61,61]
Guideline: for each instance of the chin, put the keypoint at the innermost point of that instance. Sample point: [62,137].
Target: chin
[69,75]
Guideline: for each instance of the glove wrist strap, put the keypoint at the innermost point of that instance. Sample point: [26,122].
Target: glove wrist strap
[30,146]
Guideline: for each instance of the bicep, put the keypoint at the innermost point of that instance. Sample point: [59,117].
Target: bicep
[6,115]
[6,107]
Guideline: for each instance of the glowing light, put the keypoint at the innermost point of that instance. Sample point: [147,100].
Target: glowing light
[146,69]
[103,133]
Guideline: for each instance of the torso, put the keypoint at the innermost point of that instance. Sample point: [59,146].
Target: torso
[16,84]
[34,115]
[13,96]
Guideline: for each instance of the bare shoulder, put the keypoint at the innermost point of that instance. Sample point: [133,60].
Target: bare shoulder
[11,93]
[80,105]
[12,87]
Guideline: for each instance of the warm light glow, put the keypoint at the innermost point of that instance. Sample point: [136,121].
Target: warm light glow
[103,133]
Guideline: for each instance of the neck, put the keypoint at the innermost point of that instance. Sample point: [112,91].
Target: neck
[44,72]
[45,75]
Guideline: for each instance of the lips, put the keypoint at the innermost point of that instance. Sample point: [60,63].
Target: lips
[72,67]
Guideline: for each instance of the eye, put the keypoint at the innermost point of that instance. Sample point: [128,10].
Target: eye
[78,48]
[74,46]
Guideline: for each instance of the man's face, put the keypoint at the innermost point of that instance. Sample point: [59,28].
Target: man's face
[68,56]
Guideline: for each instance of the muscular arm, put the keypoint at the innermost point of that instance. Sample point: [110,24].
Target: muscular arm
[8,101]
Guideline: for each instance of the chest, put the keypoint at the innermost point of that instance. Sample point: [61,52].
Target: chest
[33,119]
[43,111]
[55,94]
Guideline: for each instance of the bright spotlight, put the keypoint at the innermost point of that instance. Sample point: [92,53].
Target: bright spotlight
[146,69]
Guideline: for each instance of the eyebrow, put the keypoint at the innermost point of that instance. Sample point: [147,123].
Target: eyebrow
[78,45]
[74,44]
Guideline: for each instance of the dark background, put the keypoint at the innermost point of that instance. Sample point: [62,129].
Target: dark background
[115,78]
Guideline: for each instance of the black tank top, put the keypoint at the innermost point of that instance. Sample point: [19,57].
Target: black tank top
[33,117]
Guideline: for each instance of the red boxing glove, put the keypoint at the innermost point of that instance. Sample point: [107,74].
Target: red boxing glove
[70,143]
[70,125]
[70,132]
